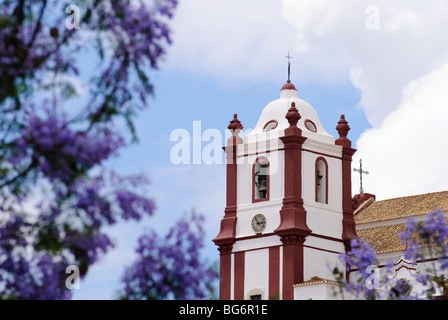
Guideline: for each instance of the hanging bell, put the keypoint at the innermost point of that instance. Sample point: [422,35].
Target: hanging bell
[263,189]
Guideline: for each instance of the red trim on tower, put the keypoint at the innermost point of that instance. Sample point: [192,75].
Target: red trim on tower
[317,179]
[226,236]
[225,264]
[348,222]
[292,264]
[288,86]
[269,122]
[267,181]
[293,228]
[312,123]
[274,273]
[238,271]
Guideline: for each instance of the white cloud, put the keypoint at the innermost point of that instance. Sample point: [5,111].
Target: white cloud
[407,154]
[396,54]
[393,52]
[247,40]
[231,39]
[408,42]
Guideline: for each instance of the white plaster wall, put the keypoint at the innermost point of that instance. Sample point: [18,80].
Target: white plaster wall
[256,276]
[256,147]
[318,262]
[256,243]
[270,209]
[322,291]
[335,180]
[245,178]
[277,110]
[323,220]
[334,175]
[325,244]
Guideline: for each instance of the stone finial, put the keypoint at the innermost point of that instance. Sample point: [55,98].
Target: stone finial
[293,116]
[235,127]
[343,128]
[235,123]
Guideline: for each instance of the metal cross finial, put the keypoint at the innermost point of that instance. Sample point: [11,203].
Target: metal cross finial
[361,191]
[289,67]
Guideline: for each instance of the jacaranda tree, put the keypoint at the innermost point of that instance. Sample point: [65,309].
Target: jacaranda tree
[170,267]
[72,79]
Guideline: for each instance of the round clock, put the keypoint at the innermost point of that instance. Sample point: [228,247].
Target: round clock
[258,223]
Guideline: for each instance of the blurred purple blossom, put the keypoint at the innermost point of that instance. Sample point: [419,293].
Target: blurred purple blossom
[170,267]
[54,148]
[360,257]
[430,233]
[425,239]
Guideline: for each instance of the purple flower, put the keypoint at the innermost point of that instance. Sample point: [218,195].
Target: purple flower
[360,257]
[132,205]
[55,143]
[170,267]
[424,239]
[62,153]
[432,232]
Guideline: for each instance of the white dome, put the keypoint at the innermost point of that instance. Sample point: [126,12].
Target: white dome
[273,117]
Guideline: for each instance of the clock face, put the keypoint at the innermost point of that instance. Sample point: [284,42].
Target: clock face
[258,223]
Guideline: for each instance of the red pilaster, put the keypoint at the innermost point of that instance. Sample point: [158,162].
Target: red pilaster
[239,275]
[292,263]
[225,263]
[226,236]
[274,273]
[348,222]
[293,228]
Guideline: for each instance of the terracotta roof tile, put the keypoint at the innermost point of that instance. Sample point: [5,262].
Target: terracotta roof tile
[317,280]
[383,239]
[401,207]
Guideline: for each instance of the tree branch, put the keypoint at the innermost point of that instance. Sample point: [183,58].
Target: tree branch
[38,24]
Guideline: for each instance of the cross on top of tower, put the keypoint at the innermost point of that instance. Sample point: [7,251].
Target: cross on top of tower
[289,67]
[361,191]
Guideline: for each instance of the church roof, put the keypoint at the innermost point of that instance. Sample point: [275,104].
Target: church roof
[403,207]
[379,222]
[317,280]
[383,239]
[276,110]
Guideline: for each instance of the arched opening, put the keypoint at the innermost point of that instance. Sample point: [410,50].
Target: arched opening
[260,176]
[321,180]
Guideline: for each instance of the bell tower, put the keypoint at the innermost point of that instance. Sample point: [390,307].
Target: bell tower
[288,208]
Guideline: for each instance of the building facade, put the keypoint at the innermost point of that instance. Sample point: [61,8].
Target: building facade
[289,207]
[290,212]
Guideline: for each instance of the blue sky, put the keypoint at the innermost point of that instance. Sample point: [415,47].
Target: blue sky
[385,66]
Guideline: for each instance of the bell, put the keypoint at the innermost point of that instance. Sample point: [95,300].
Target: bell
[263,189]
[319,177]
